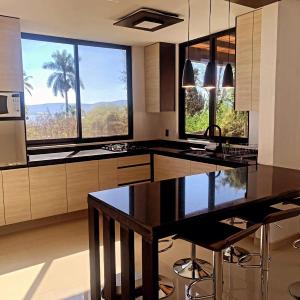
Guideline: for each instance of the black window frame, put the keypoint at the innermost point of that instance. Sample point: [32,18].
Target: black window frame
[212,93]
[76,43]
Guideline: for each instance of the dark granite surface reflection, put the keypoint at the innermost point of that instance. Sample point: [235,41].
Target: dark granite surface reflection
[212,195]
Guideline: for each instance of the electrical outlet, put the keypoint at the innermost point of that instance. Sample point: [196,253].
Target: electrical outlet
[167,132]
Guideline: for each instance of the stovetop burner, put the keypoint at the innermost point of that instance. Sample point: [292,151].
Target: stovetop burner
[122,147]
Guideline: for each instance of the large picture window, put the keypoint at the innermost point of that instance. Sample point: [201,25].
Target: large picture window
[200,107]
[76,90]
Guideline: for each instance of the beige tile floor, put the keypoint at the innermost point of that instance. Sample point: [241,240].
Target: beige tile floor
[52,263]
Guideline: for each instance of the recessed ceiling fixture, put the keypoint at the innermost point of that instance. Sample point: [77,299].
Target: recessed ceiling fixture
[148,19]
[209,82]
[188,76]
[228,73]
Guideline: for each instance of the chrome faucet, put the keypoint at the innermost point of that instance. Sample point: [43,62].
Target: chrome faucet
[219,148]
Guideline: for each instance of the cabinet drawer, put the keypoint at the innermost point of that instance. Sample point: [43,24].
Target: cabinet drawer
[169,167]
[133,160]
[48,191]
[108,176]
[134,174]
[223,168]
[16,195]
[199,167]
[82,178]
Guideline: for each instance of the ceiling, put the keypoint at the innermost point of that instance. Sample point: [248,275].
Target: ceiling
[93,19]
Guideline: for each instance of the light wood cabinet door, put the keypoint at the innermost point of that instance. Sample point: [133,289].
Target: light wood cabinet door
[152,78]
[48,190]
[133,160]
[248,55]
[108,173]
[82,178]
[223,168]
[11,71]
[168,167]
[244,52]
[134,174]
[257,23]
[199,167]
[2,219]
[16,195]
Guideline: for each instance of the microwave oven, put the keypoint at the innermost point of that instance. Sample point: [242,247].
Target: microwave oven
[10,105]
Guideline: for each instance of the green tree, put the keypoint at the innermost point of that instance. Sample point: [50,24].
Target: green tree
[63,77]
[27,85]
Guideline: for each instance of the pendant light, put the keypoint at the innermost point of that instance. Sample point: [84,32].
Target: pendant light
[209,82]
[228,73]
[188,77]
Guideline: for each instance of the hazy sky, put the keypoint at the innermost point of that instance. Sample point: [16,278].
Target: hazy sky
[101,72]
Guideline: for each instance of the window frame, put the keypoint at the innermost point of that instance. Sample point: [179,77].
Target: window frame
[212,94]
[76,43]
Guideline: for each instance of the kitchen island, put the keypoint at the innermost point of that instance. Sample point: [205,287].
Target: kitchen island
[160,209]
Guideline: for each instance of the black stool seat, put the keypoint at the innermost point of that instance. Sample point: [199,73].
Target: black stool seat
[269,215]
[295,201]
[215,236]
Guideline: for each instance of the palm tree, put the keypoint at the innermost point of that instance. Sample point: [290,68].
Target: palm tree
[27,85]
[63,77]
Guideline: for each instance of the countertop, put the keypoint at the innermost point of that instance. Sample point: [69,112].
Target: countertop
[158,205]
[169,148]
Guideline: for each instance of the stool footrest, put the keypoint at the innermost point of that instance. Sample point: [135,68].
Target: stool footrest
[188,293]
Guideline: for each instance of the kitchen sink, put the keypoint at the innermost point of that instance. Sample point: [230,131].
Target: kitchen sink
[203,153]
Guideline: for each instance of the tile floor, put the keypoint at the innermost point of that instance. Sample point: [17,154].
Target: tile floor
[52,263]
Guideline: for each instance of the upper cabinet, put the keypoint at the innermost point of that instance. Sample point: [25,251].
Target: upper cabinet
[11,71]
[248,55]
[160,77]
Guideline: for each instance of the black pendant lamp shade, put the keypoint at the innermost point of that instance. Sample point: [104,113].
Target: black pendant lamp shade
[188,78]
[228,77]
[209,82]
[228,73]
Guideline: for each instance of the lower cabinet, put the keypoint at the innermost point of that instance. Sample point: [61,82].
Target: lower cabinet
[134,174]
[223,168]
[108,173]
[168,167]
[199,167]
[16,195]
[82,178]
[2,219]
[48,191]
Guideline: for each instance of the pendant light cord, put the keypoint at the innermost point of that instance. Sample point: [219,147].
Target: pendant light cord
[189,19]
[209,21]
[229,34]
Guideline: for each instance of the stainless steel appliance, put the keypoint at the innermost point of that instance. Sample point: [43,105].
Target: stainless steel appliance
[10,105]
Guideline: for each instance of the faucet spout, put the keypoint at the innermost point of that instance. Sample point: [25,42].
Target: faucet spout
[219,147]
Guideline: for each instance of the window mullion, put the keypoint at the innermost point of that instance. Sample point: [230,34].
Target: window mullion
[212,93]
[78,99]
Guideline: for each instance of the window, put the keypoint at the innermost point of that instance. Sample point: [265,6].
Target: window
[200,107]
[76,90]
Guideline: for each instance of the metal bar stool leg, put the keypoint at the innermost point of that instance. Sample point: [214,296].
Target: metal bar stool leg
[265,260]
[192,267]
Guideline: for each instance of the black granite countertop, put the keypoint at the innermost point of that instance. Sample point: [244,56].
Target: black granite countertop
[49,156]
[160,205]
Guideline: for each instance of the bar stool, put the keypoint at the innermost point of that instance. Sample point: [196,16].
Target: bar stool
[166,285]
[294,290]
[217,236]
[266,216]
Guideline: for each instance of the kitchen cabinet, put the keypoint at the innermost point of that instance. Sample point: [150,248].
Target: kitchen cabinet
[108,173]
[168,167]
[11,71]
[48,190]
[134,174]
[160,77]
[133,160]
[223,168]
[16,195]
[199,167]
[2,219]
[248,55]
[82,178]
